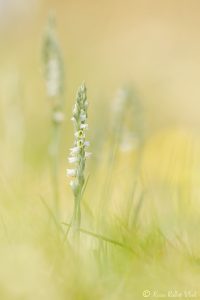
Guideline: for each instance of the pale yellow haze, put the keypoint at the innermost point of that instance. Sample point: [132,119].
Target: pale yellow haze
[154,44]
[143,192]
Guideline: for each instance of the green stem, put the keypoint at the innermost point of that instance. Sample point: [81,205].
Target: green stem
[103,238]
[76,222]
[54,165]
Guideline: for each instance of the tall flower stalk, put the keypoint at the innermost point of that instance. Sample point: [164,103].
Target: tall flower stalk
[78,155]
[54,77]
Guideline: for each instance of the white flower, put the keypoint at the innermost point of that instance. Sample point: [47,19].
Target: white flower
[74,150]
[88,154]
[71,172]
[58,116]
[83,117]
[54,67]
[84,126]
[87,144]
[73,159]
[75,110]
[52,88]
[53,77]
[72,184]
[82,87]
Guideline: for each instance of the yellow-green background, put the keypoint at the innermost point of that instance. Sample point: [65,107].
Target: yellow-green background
[153,45]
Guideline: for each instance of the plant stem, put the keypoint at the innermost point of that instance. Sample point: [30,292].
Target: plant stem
[55,165]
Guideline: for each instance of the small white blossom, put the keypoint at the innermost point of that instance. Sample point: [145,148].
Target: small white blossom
[53,65]
[75,110]
[73,185]
[84,126]
[52,88]
[58,116]
[83,117]
[74,150]
[71,172]
[87,144]
[73,159]
[88,154]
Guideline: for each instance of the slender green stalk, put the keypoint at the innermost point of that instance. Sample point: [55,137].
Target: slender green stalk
[138,131]
[127,121]
[103,238]
[120,106]
[51,214]
[78,155]
[54,76]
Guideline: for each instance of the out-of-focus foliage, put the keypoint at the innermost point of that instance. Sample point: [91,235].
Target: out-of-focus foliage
[140,209]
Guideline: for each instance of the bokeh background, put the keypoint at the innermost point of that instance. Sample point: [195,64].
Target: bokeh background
[154,44]
[150,45]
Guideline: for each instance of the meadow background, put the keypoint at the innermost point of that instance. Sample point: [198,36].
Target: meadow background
[143,194]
